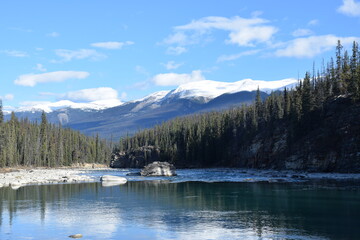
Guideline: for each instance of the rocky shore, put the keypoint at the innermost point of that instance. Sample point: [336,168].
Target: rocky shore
[21,177]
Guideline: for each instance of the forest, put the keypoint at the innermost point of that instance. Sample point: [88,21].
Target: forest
[226,138]
[23,143]
[223,138]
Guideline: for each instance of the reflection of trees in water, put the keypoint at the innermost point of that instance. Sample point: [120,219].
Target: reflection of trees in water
[258,206]
[37,197]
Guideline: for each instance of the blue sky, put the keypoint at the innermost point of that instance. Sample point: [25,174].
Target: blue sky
[88,50]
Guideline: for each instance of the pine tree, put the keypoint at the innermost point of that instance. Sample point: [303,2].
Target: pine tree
[339,82]
[1,112]
[287,103]
[354,87]
[43,139]
[307,99]
[258,103]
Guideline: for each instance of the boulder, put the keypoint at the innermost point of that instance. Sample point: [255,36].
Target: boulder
[113,179]
[158,169]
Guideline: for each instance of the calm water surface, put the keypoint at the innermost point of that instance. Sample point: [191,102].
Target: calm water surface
[182,210]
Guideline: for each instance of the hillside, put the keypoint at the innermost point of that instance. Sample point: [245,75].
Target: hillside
[313,127]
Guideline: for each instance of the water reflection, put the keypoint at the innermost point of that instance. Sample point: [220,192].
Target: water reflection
[189,210]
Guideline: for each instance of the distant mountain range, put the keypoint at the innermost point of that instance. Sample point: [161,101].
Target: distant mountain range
[113,119]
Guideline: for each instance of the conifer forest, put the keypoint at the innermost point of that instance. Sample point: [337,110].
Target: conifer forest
[23,143]
[224,138]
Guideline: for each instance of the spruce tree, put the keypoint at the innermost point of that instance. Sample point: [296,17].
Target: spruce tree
[1,112]
[354,65]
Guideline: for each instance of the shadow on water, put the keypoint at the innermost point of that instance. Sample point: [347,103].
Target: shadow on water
[181,210]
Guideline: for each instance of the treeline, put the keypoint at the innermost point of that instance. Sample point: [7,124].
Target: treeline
[211,139]
[23,143]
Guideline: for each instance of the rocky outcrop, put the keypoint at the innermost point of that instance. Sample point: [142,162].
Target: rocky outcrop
[158,169]
[136,158]
[330,143]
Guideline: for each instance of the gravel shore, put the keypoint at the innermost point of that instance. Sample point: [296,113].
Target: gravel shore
[21,177]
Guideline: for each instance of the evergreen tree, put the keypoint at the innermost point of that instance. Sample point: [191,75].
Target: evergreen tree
[354,85]
[1,112]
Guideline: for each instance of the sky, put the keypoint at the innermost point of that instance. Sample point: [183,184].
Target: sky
[99,50]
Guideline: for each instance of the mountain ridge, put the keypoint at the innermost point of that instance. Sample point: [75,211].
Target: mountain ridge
[155,108]
[204,91]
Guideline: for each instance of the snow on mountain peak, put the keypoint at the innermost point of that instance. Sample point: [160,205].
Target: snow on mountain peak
[203,90]
[51,106]
[156,96]
[151,99]
[211,89]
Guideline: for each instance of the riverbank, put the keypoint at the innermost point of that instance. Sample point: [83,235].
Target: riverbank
[17,177]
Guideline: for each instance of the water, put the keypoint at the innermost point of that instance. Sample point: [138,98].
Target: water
[183,210]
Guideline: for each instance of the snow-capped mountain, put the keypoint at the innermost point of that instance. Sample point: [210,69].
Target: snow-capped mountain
[114,118]
[202,91]
[208,89]
[53,106]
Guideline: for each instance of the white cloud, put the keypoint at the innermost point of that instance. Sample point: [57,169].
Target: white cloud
[176,50]
[175,79]
[180,38]
[242,31]
[53,34]
[172,65]
[313,22]
[59,76]
[232,57]
[68,55]
[7,97]
[112,45]
[350,8]
[40,67]
[15,53]
[311,46]
[91,94]
[301,32]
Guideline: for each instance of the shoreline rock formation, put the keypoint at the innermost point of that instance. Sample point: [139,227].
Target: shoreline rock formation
[158,169]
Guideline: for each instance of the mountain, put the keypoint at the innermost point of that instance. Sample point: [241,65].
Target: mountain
[114,119]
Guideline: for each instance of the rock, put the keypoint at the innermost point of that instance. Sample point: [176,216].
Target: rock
[114,179]
[16,186]
[158,169]
[76,236]
[133,174]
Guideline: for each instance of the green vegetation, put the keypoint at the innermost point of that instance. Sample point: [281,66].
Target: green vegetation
[211,139]
[23,143]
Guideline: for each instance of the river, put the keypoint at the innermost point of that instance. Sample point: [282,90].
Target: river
[208,206]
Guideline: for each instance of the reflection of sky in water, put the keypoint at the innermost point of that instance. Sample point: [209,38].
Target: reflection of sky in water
[184,211]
